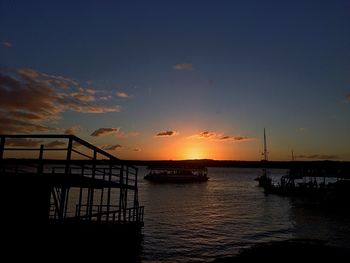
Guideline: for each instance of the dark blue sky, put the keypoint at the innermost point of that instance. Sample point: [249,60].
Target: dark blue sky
[228,67]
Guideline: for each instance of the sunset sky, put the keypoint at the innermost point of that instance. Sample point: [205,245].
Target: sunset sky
[180,79]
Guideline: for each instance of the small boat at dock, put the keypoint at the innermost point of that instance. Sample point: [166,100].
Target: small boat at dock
[311,184]
[325,182]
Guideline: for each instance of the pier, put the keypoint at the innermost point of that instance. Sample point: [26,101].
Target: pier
[67,191]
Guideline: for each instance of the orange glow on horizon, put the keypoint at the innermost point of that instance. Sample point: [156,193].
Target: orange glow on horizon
[183,148]
[194,153]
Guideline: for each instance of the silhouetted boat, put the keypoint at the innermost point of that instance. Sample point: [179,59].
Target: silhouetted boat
[323,187]
[177,174]
[264,179]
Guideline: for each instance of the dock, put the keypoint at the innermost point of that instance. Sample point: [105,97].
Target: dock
[327,183]
[68,193]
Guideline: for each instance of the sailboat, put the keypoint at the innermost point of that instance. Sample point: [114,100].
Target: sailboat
[264,179]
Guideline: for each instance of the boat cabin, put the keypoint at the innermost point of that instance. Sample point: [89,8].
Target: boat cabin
[176,174]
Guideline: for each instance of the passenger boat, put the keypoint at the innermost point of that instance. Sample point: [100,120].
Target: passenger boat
[177,174]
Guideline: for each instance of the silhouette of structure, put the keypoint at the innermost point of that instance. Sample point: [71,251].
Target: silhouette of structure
[264,178]
[65,187]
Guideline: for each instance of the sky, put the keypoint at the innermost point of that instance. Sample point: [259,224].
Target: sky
[174,80]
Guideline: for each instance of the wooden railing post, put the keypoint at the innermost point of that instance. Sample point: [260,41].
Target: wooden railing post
[92,190]
[121,194]
[109,191]
[126,190]
[63,197]
[41,162]
[2,147]
[102,190]
[136,199]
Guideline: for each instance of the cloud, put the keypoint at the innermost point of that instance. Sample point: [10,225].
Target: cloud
[91,91]
[30,100]
[22,142]
[81,96]
[28,73]
[208,135]
[94,109]
[73,130]
[239,138]
[19,115]
[122,135]
[60,81]
[136,150]
[8,124]
[105,97]
[7,44]
[183,66]
[55,143]
[121,94]
[111,147]
[104,131]
[318,157]
[76,145]
[166,134]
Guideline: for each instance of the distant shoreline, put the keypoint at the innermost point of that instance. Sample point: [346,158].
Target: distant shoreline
[243,164]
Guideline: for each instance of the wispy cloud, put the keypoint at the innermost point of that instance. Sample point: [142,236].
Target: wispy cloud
[136,150]
[166,134]
[55,143]
[83,96]
[22,142]
[318,157]
[7,44]
[121,94]
[205,135]
[111,147]
[76,145]
[30,100]
[9,124]
[105,97]
[237,138]
[104,131]
[209,135]
[123,135]
[73,130]
[183,66]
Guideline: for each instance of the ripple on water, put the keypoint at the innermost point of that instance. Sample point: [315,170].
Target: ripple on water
[199,222]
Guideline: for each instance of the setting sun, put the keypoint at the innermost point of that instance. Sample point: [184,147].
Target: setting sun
[194,153]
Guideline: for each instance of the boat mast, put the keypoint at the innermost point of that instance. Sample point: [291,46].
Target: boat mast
[265,147]
[264,174]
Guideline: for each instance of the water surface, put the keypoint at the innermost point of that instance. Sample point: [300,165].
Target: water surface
[203,221]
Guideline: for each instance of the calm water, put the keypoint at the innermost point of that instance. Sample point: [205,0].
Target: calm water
[202,221]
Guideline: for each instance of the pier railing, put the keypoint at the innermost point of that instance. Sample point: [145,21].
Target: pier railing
[85,182]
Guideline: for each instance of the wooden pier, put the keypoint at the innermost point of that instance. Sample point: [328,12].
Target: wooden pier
[63,188]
